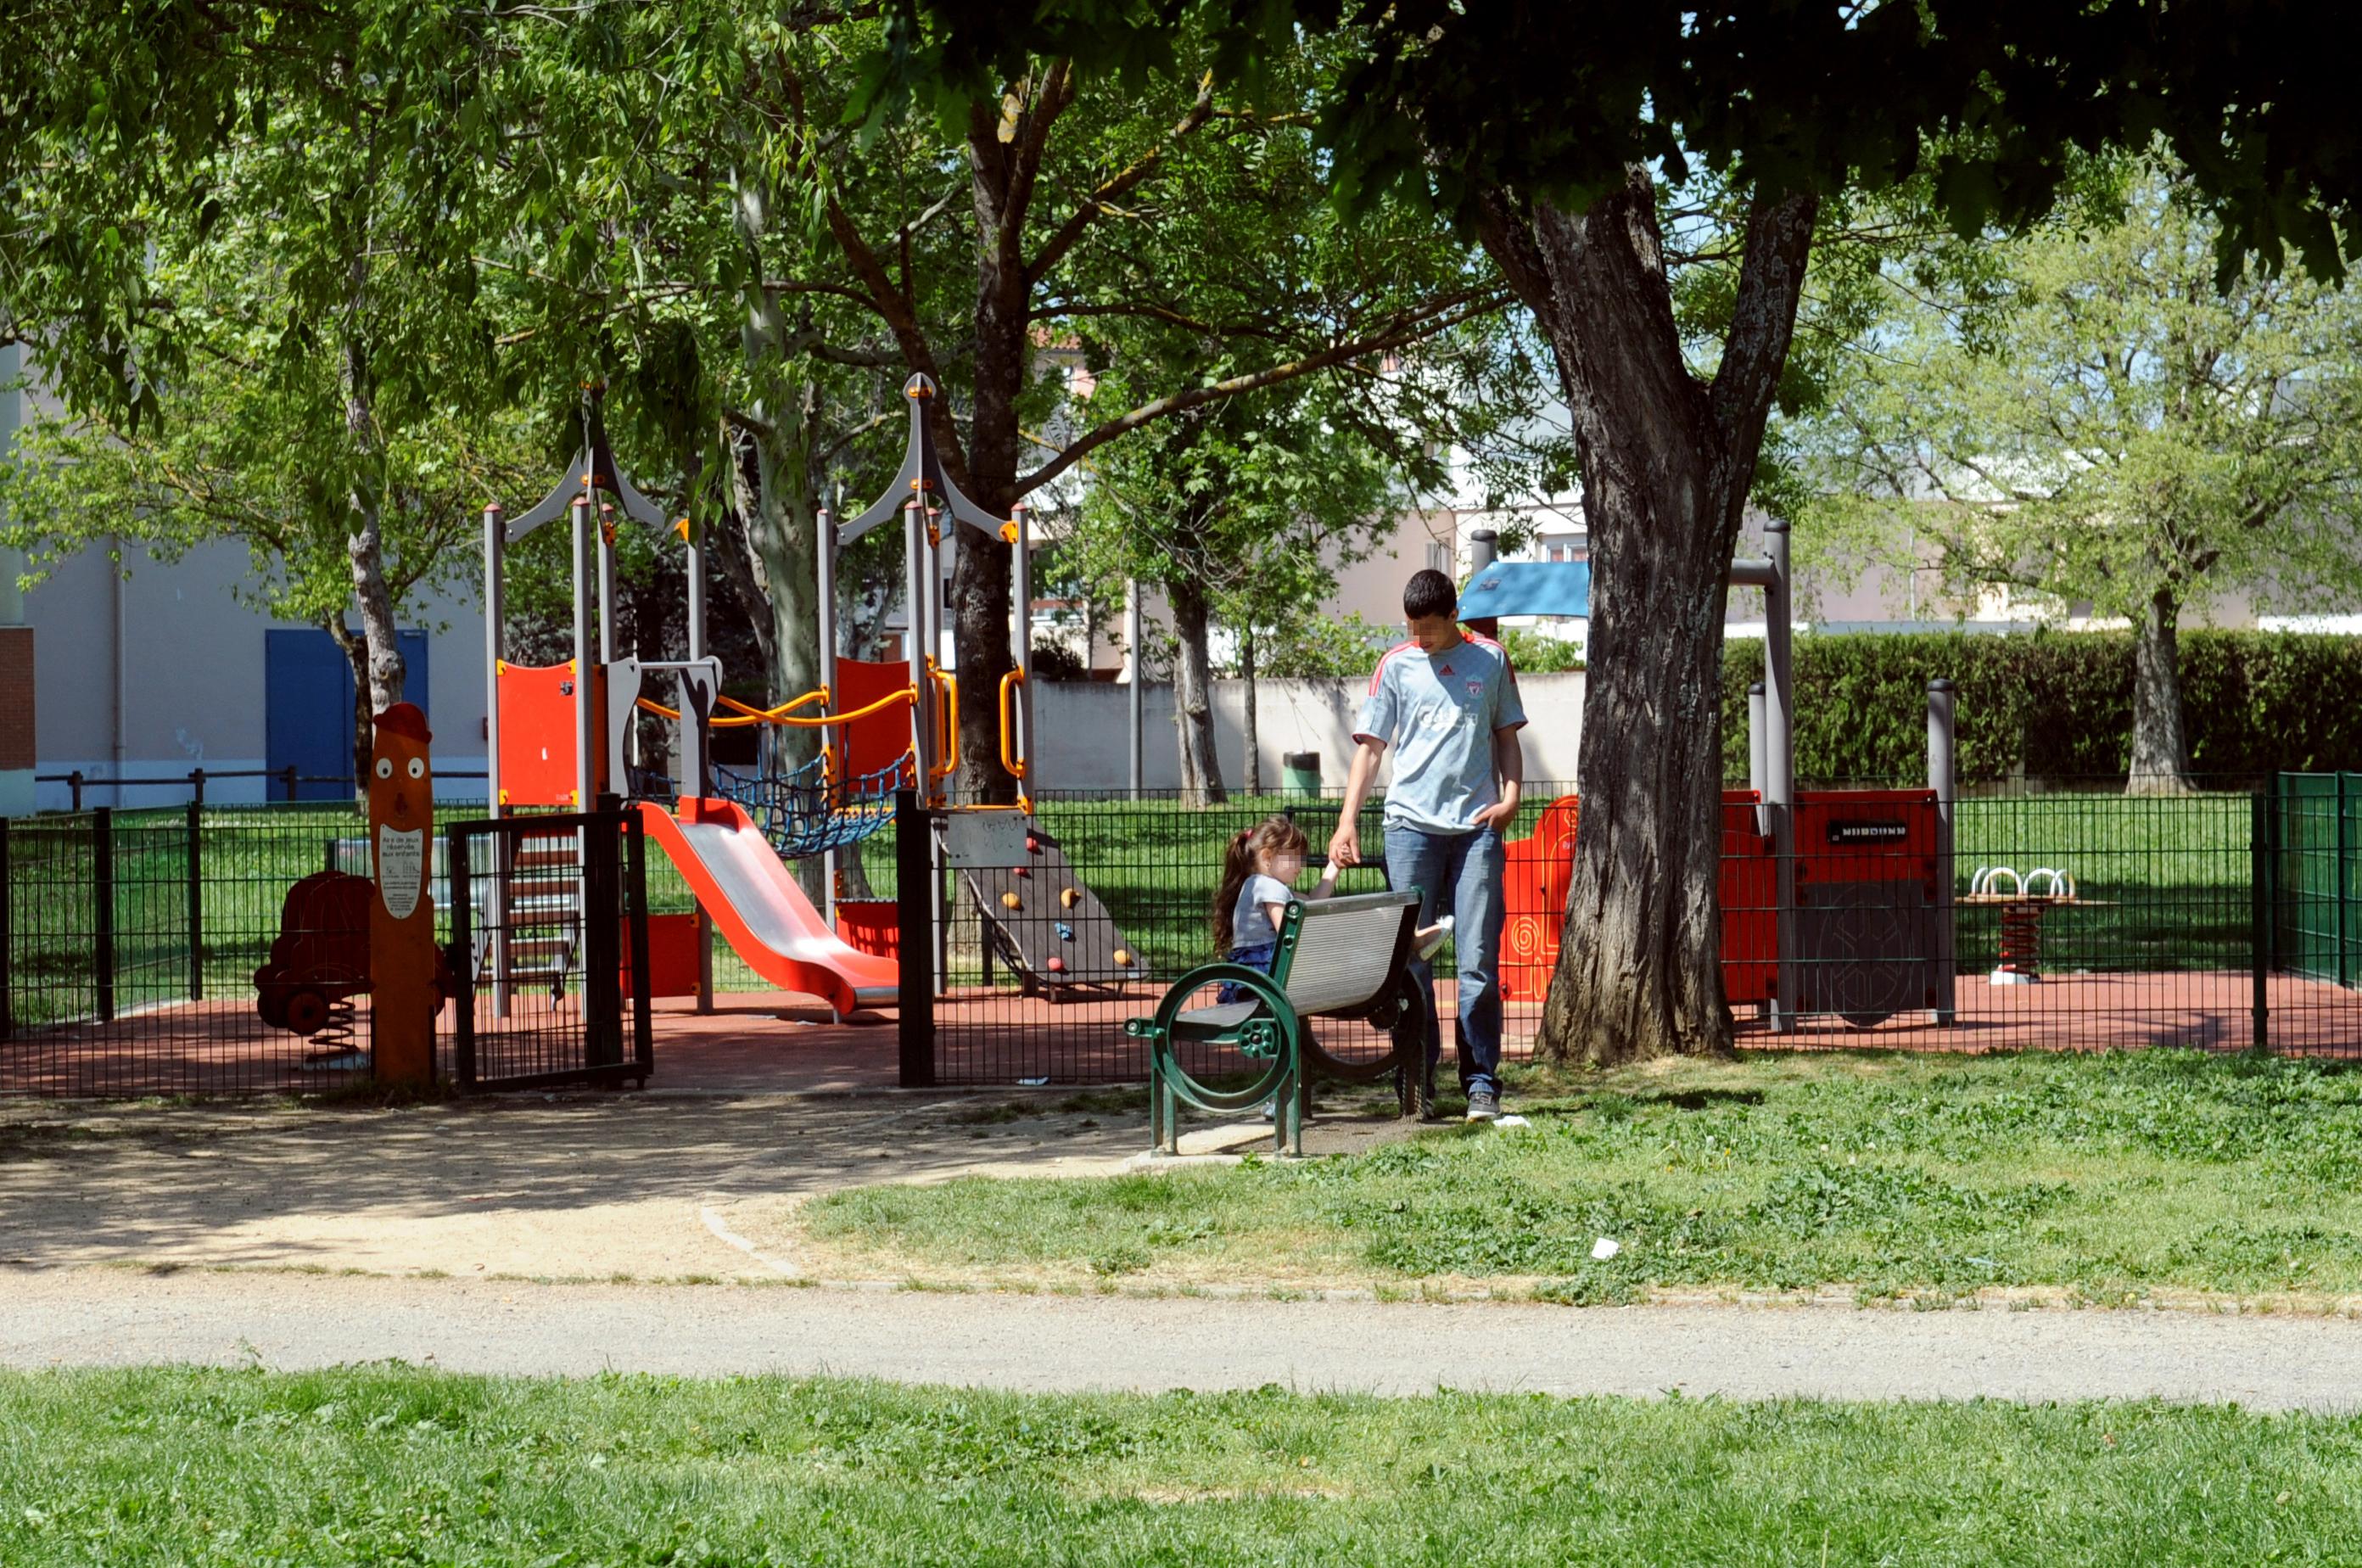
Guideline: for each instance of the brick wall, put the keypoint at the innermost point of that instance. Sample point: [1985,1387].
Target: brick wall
[16,748]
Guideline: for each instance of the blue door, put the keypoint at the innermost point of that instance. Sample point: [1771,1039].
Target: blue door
[307,706]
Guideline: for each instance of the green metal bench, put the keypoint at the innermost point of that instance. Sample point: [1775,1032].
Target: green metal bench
[1346,958]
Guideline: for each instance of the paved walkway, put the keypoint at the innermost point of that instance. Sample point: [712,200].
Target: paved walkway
[114,1317]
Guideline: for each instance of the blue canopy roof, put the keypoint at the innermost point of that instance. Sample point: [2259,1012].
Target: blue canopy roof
[1528,588]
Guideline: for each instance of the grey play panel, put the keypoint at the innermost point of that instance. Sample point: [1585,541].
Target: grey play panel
[1054,916]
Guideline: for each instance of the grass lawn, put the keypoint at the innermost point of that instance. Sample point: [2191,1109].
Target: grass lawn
[2098,1176]
[388,1465]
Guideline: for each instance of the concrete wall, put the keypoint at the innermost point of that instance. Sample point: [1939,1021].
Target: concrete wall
[162,671]
[1084,727]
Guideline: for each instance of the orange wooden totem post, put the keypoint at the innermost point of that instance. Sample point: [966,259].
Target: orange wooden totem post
[404,995]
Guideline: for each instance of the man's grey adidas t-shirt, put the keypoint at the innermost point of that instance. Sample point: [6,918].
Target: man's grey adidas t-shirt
[1438,713]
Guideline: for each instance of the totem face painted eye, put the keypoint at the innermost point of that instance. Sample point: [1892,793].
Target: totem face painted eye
[418,767]
[385,767]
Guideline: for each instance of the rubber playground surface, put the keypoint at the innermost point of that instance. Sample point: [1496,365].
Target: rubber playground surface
[777,1043]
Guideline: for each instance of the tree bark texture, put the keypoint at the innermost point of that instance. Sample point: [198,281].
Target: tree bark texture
[1193,695]
[1667,459]
[1252,723]
[2160,758]
[356,649]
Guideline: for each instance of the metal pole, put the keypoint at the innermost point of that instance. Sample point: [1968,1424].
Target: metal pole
[919,586]
[1780,766]
[695,770]
[606,582]
[824,544]
[1131,636]
[463,969]
[1484,548]
[1943,777]
[915,994]
[1021,640]
[586,793]
[1755,751]
[586,788]
[8,940]
[102,875]
[2260,915]
[496,617]
[197,901]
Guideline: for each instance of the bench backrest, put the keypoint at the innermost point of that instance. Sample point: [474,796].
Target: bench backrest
[1346,950]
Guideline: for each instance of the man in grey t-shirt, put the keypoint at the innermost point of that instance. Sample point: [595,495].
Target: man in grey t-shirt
[1448,705]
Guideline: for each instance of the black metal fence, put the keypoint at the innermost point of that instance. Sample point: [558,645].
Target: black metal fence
[2060,915]
[186,951]
[549,950]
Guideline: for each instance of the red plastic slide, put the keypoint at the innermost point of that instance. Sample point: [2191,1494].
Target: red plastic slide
[760,911]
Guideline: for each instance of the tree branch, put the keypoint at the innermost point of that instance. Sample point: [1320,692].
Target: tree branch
[1440,316]
[1763,318]
[1115,186]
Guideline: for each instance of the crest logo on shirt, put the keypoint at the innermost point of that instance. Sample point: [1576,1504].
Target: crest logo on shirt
[1475,689]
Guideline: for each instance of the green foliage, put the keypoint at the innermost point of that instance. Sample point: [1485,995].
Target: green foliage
[2101,1174]
[1318,647]
[2055,705]
[1538,653]
[390,1463]
[1445,103]
[2078,413]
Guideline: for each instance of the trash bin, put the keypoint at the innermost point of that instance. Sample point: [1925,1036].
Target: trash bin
[1299,772]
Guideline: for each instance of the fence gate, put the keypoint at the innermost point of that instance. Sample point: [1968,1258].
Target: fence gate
[549,950]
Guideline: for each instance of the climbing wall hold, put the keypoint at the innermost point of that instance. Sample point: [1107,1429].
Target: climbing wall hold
[1123,958]
[1070,898]
[1066,932]
[1010,900]
[1056,965]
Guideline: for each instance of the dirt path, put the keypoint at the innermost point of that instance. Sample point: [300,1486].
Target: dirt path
[87,1317]
[557,1187]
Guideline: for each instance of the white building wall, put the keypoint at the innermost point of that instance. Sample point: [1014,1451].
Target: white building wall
[155,673]
[1085,728]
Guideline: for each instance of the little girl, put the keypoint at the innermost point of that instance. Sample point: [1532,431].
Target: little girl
[1259,872]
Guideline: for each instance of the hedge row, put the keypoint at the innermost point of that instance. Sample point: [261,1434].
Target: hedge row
[2057,705]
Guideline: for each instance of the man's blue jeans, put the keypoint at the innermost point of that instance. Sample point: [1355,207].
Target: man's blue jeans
[1458,874]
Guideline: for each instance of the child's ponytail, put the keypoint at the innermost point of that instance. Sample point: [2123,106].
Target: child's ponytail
[1238,865]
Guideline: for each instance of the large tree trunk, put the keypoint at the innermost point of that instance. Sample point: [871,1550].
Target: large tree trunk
[2160,760]
[356,647]
[1193,694]
[1666,465]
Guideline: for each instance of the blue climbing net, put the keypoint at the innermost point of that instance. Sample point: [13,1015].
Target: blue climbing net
[795,810]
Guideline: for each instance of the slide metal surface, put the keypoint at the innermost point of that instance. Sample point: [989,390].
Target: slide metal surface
[755,903]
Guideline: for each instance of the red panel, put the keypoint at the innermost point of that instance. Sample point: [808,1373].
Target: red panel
[1865,835]
[1539,870]
[882,739]
[872,925]
[672,956]
[538,734]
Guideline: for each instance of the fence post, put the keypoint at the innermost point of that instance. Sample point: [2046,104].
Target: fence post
[73,782]
[635,895]
[8,945]
[196,903]
[2260,915]
[288,773]
[461,962]
[602,965]
[102,875]
[2339,883]
[914,877]
[197,786]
